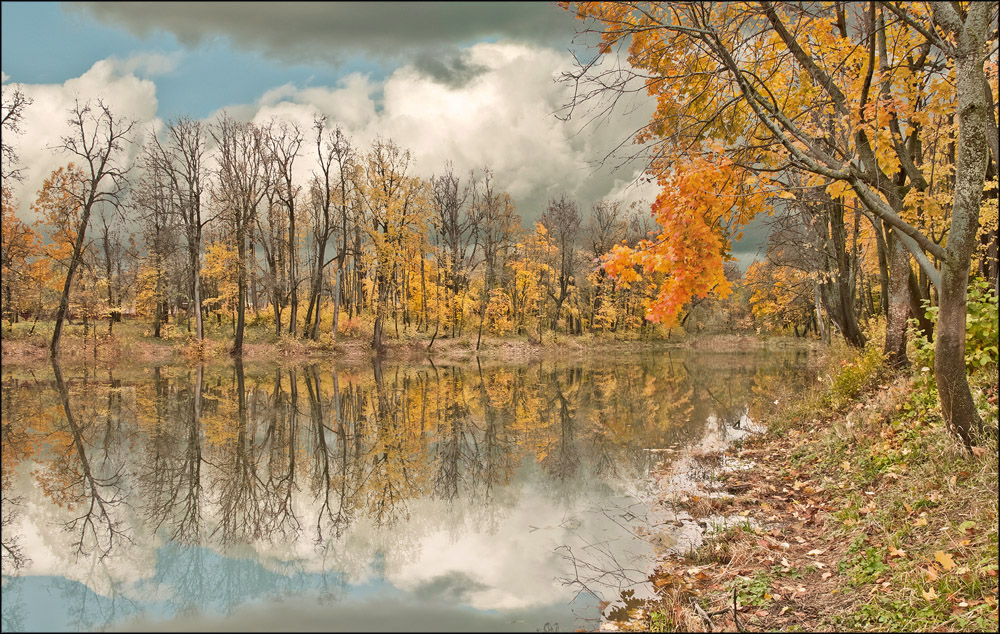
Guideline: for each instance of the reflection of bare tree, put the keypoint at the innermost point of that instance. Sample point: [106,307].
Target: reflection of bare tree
[454,439]
[15,447]
[89,611]
[328,484]
[564,462]
[100,493]
[390,475]
[497,456]
[171,481]
[278,514]
[238,484]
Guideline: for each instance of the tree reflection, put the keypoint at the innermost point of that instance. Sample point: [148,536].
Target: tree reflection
[247,454]
[75,481]
[237,482]
[16,448]
[170,479]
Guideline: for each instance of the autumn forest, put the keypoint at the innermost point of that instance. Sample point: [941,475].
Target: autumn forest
[856,141]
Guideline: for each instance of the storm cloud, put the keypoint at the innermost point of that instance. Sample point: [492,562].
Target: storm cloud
[306,32]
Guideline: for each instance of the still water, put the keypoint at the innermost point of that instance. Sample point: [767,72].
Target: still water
[321,497]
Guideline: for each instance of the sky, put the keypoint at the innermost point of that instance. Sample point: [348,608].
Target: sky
[474,84]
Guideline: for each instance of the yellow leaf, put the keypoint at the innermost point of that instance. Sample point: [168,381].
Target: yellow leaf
[920,521]
[944,559]
[930,595]
[931,574]
[895,552]
[837,189]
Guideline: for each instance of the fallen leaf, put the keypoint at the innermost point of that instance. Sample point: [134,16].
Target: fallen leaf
[930,595]
[931,573]
[816,551]
[895,552]
[944,559]
[920,521]
[827,575]
[978,452]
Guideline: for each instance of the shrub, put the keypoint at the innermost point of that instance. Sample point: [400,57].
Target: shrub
[857,375]
[980,328]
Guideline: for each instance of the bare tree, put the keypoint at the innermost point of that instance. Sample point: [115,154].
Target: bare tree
[563,221]
[97,140]
[332,148]
[496,223]
[456,227]
[180,157]
[285,142]
[14,104]
[243,179]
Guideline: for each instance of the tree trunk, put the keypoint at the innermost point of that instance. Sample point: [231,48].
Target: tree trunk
[64,298]
[970,170]
[336,299]
[195,256]
[899,304]
[241,301]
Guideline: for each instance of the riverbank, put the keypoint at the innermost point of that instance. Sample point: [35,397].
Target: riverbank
[855,509]
[130,344]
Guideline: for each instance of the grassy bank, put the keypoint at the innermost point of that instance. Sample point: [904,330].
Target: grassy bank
[855,510]
[133,342]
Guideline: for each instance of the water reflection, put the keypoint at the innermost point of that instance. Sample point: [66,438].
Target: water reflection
[175,492]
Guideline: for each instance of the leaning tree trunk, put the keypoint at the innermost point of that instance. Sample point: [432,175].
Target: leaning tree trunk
[64,299]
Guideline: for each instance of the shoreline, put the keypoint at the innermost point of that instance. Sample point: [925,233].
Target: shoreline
[129,350]
[846,511]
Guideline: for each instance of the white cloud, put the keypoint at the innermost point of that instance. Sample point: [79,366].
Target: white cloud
[503,117]
[45,120]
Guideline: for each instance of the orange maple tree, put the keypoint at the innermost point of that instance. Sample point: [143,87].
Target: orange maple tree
[699,204]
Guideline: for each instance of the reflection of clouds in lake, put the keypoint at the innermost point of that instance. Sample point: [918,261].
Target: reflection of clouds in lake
[491,498]
[384,611]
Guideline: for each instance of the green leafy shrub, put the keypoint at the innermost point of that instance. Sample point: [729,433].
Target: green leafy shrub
[981,328]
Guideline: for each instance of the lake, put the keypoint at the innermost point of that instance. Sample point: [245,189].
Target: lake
[368,497]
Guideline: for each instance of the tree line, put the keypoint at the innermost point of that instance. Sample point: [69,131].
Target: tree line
[213,222]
